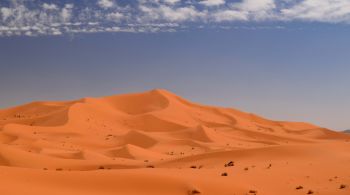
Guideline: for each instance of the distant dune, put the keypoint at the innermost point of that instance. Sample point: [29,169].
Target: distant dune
[159,143]
[347,131]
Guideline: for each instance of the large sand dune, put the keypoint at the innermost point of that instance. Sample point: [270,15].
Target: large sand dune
[158,143]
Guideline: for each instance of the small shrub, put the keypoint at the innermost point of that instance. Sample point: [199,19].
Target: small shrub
[253,191]
[270,165]
[299,187]
[230,164]
[194,192]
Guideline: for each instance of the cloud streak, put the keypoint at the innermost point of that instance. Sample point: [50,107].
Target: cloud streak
[35,18]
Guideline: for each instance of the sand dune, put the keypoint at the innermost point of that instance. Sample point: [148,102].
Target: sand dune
[159,143]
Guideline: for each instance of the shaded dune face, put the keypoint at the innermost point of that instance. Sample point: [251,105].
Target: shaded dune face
[129,130]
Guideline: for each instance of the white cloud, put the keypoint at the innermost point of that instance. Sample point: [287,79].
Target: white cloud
[172,2]
[28,33]
[66,14]
[27,18]
[55,31]
[115,16]
[154,10]
[180,14]
[246,10]
[105,4]
[323,11]
[212,2]
[5,12]
[51,6]
[69,6]
[255,5]
[229,15]
[256,9]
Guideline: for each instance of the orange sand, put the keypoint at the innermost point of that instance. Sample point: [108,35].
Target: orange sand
[158,143]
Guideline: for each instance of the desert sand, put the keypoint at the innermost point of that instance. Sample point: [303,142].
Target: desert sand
[159,143]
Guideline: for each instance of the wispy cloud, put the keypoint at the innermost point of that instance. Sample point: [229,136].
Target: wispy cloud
[35,18]
[105,4]
[212,2]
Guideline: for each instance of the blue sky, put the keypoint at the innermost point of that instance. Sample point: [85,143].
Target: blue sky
[285,60]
